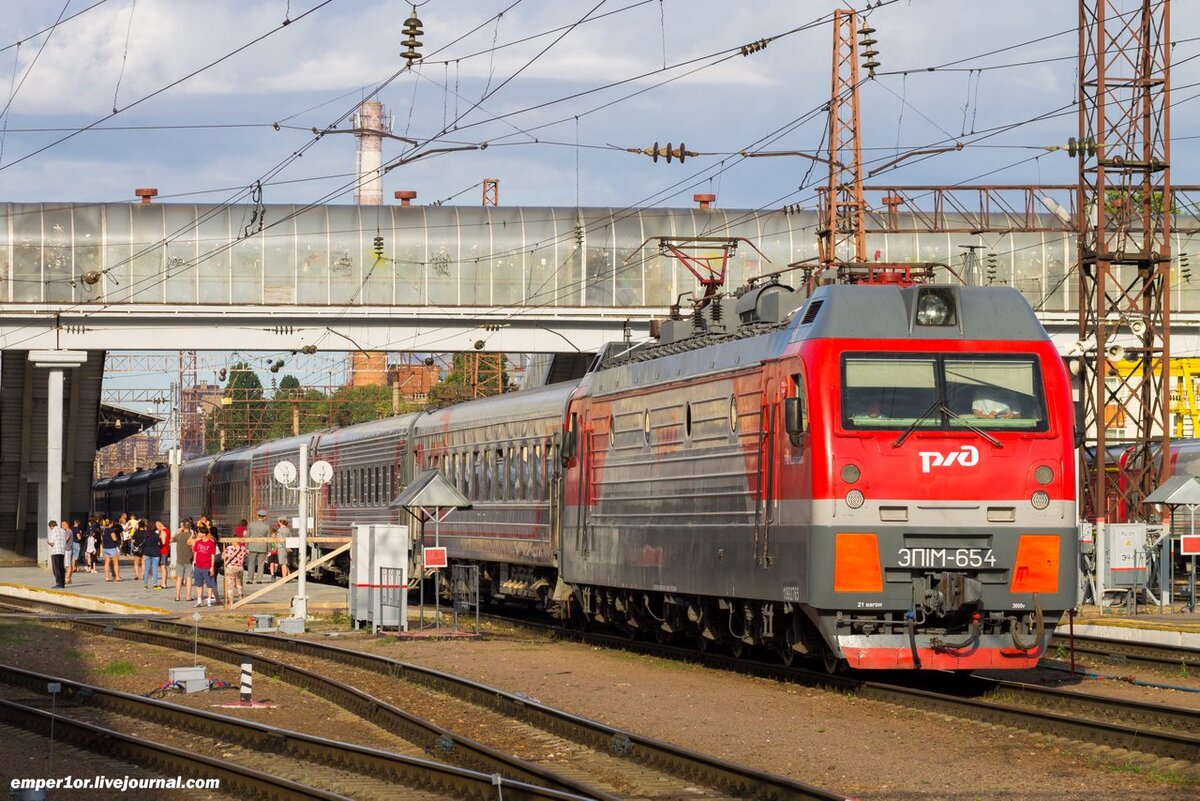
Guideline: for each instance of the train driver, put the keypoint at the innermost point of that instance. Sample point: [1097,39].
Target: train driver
[988,404]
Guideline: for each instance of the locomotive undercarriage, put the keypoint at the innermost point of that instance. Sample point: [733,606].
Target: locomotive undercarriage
[947,617]
[733,623]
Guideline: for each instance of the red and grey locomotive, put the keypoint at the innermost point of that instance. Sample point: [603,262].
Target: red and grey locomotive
[884,476]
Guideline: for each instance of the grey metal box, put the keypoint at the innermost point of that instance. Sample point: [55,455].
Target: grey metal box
[193,679]
[291,625]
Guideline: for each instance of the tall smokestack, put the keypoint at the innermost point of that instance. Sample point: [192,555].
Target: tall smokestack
[370,126]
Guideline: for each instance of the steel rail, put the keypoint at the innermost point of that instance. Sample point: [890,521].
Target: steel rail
[1138,738]
[745,781]
[740,780]
[449,745]
[235,779]
[1151,654]
[406,770]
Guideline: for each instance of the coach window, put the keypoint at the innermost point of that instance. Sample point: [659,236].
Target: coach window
[526,478]
[733,414]
[687,420]
[646,426]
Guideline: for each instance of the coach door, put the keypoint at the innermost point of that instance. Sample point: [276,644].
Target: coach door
[767,502]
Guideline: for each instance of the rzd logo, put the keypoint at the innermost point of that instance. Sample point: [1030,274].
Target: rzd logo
[967,456]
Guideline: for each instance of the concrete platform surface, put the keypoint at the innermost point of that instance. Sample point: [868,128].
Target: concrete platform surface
[90,591]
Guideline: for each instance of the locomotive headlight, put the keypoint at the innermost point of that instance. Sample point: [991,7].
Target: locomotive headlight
[851,473]
[855,499]
[1040,500]
[1043,475]
[935,306]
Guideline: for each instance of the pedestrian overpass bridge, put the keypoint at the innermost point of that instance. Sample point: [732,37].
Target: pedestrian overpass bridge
[79,279]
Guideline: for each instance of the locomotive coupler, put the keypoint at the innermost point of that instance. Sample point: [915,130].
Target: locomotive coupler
[946,593]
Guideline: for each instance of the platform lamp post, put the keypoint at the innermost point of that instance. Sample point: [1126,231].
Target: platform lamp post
[286,474]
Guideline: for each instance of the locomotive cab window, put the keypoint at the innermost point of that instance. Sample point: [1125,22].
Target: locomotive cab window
[942,392]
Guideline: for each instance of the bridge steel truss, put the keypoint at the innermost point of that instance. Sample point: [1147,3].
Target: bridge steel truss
[1123,209]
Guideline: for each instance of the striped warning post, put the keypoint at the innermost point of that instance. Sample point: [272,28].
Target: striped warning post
[247,689]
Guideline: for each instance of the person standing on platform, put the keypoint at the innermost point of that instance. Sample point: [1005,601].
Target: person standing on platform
[137,547]
[164,552]
[234,558]
[204,551]
[183,559]
[110,544]
[282,532]
[256,550]
[68,549]
[93,543]
[56,539]
[76,540]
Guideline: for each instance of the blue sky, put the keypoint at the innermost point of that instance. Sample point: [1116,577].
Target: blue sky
[312,72]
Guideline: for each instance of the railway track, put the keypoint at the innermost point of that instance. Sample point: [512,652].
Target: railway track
[303,764]
[1154,729]
[628,765]
[1098,649]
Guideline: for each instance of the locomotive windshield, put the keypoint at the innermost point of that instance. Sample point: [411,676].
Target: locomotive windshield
[942,391]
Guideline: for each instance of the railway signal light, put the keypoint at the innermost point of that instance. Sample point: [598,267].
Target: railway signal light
[221,375]
[1185,268]
[377,247]
[412,29]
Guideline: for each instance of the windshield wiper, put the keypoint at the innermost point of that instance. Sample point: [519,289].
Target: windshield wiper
[967,424]
[906,433]
[940,405]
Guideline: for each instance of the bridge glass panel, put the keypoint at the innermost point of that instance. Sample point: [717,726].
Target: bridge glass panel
[27,254]
[598,290]
[89,234]
[507,262]
[685,227]
[57,256]
[148,263]
[474,257]
[377,269]
[657,270]
[182,251]
[407,251]
[571,257]
[542,252]
[345,253]
[118,253]
[442,267]
[1026,261]
[279,266]
[213,237]
[630,266]
[312,256]
[246,273]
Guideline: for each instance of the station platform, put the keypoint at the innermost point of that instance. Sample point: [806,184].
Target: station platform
[1152,625]
[91,592]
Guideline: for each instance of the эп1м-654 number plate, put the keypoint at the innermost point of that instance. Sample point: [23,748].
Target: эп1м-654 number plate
[947,557]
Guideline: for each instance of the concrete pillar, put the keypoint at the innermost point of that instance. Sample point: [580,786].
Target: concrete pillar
[56,361]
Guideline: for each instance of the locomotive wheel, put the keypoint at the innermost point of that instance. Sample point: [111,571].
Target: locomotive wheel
[703,643]
[737,647]
[834,665]
[662,637]
[786,655]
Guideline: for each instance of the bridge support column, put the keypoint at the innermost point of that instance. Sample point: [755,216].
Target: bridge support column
[56,361]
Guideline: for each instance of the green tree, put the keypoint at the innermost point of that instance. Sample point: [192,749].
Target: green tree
[242,410]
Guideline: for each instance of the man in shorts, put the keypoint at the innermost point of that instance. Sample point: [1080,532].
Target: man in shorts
[204,552]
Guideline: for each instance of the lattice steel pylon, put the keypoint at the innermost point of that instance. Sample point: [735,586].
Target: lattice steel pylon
[842,236]
[1124,248]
